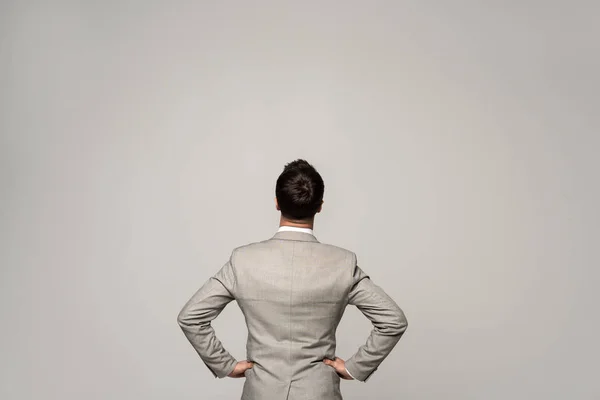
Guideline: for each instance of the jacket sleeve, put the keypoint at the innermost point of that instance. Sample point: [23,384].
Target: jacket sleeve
[389,324]
[196,315]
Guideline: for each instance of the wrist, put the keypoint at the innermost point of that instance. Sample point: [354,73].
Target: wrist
[348,372]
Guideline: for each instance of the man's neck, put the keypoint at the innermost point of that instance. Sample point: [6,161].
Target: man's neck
[297,224]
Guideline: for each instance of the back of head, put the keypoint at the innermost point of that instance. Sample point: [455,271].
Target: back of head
[299,190]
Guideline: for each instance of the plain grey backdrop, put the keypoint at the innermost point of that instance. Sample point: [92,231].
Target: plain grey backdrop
[141,141]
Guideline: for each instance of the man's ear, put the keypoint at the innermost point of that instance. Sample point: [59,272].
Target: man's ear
[276,204]
[321,206]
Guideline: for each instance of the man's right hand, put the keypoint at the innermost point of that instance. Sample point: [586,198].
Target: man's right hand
[339,366]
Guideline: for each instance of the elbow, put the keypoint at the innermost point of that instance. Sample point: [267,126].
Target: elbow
[399,324]
[189,318]
[183,318]
[403,325]
[394,324]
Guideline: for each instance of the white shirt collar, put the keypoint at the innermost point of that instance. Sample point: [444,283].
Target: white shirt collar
[295,228]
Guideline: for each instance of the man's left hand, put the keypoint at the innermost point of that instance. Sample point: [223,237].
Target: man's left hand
[240,369]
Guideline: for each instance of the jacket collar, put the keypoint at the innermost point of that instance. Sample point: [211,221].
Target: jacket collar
[295,235]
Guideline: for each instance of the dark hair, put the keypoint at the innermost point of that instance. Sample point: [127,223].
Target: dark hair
[299,190]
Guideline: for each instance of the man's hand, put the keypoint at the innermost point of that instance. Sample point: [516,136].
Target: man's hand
[240,369]
[339,366]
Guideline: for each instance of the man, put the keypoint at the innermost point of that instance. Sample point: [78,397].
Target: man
[292,290]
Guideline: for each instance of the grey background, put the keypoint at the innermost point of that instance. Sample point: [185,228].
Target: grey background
[140,143]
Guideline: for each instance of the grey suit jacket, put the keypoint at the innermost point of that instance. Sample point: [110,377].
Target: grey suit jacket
[292,290]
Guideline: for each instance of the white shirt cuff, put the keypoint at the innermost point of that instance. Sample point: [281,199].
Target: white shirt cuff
[350,373]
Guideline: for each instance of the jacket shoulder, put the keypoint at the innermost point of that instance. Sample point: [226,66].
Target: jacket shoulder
[260,245]
[249,248]
[343,250]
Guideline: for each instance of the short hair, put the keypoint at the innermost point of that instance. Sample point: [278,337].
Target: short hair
[299,190]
